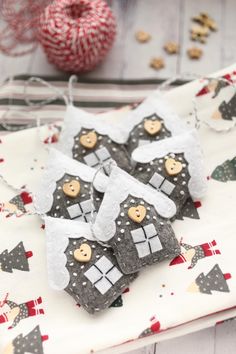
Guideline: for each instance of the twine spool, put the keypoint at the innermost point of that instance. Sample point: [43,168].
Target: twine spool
[76,34]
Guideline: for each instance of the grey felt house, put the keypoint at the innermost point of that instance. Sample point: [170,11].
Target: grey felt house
[174,167]
[92,140]
[133,220]
[81,266]
[65,189]
[151,121]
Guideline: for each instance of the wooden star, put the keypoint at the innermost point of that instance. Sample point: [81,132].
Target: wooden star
[171,47]
[157,63]
[142,36]
[205,20]
[194,53]
[199,33]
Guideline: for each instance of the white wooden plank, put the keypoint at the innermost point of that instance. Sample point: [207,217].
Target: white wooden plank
[112,65]
[160,19]
[211,59]
[225,341]
[229,27]
[195,343]
[40,64]
[146,350]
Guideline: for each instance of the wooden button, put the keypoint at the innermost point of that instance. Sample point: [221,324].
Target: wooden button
[83,254]
[88,140]
[137,213]
[152,127]
[72,188]
[173,167]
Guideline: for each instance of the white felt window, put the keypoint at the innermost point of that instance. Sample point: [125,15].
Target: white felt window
[146,240]
[144,142]
[98,157]
[81,211]
[103,274]
[162,184]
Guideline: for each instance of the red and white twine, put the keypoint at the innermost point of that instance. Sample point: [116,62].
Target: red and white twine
[75,34]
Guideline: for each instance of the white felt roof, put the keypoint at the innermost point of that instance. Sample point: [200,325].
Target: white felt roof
[76,119]
[120,186]
[57,166]
[155,103]
[58,232]
[188,144]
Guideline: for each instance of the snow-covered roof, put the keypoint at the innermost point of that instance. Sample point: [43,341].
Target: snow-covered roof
[188,144]
[120,186]
[76,119]
[57,166]
[155,103]
[58,232]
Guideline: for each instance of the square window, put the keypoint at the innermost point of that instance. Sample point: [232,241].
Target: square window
[156,180]
[142,142]
[103,274]
[91,160]
[146,240]
[86,206]
[74,211]
[103,154]
[167,187]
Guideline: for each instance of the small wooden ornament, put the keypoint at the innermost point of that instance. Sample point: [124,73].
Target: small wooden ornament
[83,253]
[173,167]
[88,140]
[152,127]
[72,188]
[137,213]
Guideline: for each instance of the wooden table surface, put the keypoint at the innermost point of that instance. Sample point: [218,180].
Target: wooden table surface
[165,20]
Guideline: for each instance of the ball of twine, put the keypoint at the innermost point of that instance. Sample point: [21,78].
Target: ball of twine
[76,34]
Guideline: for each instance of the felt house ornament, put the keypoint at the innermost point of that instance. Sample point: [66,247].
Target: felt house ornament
[30,343]
[17,258]
[92,140]
[173,167]
[132,219]
[152,120]
[65,189]
[17,205]
[81,266]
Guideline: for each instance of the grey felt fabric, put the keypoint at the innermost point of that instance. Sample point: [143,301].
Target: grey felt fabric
[31,343]
[81,288]
[116,151]
[15,259]
[180,193]
[125,247]
[213,281]
[62,202]
[17,200]
[139,136]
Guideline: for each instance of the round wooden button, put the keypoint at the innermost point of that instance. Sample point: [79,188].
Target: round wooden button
[88,140]
[137,213]
[152,127]
[72,188]
[83,253]
[173,167]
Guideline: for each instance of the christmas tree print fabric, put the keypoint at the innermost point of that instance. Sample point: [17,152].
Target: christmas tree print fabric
[15,259]
[93,141]
[30,343]
[226,171]
[158,295]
